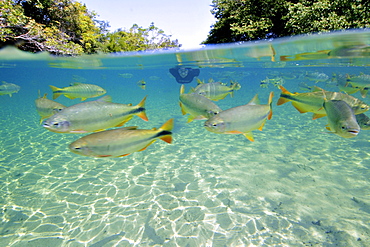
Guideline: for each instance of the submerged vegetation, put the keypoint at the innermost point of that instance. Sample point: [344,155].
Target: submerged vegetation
[244,20]
[68,27]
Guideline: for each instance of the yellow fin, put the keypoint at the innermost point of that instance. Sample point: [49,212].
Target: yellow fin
[249,136]
[316,116]
[54,89]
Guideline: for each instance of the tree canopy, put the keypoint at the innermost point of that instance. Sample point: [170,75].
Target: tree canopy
[68,27]
[244,20]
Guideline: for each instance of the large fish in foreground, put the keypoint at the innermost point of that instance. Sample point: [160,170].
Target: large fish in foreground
[313,101]
[47,108]
[9,88]
[341,119]
[241,119]
[93,116]
[120,142]
[78,90]
[198,106]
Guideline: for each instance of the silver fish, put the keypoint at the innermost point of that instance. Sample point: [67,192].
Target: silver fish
[120,142]
[198,106]
[341,118]
[94,116]
[241,119]
[9,88]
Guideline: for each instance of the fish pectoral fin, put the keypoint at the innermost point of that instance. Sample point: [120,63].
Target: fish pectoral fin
[104,155]
[190,119]
[316,116]
[249,136]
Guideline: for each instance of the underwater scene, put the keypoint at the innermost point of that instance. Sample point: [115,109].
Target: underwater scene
[251,144]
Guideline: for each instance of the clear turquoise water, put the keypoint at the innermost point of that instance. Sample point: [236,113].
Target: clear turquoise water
[296,185]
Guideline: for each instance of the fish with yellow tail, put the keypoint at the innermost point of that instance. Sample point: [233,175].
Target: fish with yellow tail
[46,107]
[197,106]
[216,90]
[241,119]
[120,142]
[8,88]
[341,119]
[78,90]
[361,82]
[313,101]
[94,116]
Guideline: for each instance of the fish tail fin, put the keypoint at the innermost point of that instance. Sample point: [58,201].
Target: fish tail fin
[283,100]
[270,103]
[166,134]
[56,91]
[142,113]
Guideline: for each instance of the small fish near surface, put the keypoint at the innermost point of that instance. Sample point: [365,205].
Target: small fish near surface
[47,108]
[94,116]
[241,119]
[216,90]
[361,82]
[120,142]
[313,101]
[141,84]
[197,106]
[78,90]
[363,121]
[9,88]
[341,119]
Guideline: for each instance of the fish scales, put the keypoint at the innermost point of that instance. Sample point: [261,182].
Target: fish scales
[120,142]
[341,119]
[241,119]
[93,116]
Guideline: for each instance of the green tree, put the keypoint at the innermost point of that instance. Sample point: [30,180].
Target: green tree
[67,27]
[244,20]
[137,39]
[60,27]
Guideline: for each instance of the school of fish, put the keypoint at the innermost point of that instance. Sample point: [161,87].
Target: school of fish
[102,120]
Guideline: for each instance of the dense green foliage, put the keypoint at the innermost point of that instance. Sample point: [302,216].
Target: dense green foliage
[244,20]
[67,27]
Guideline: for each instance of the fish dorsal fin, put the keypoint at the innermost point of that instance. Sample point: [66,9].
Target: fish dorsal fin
[75,83]
[199,81]
[255,100]
[316,89]
[106,98]
[210,80]
[45,94]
